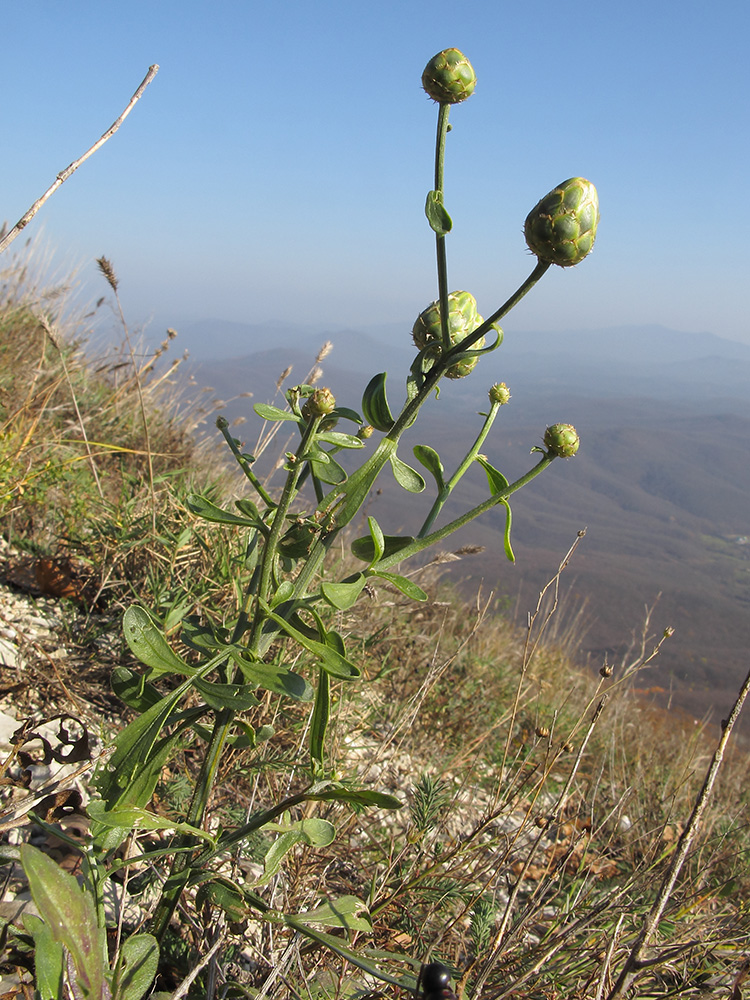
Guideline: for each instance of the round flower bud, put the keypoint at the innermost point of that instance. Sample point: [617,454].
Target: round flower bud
[561,228]
[500,393]
[463,319]
[319,404]
[449,77]
[562,440]
[365,432]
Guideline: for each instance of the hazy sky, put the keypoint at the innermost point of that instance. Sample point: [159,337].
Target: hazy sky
[277,166]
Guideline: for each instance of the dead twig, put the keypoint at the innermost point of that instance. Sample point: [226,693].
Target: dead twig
[65,174]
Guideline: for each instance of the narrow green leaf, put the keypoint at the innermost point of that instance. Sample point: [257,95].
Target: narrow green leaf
[496,480]
[49,959]
[248,508]
[272,677]
[364,549]
[439,220]
[375,404]
[326,470]
[320,717]
[275,855]
[331,661]
[133,689]
[378,539]
[355,958]
[69,913]
[219,696]
[407,587]
[148,644]
[405,476]
[204,508]
[274,413]
[430,459]
[343,595]
[129,817]
[341,440]
[284,592]
[346,911]
[508,547]
[347,414]
[335,792]
[226,895]
[137,965]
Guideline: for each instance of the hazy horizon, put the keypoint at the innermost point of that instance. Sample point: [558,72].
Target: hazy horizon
[277,166]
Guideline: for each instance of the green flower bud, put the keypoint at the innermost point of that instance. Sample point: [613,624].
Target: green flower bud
[500,393]
[449,77]
[562,440]
[463,319]
[561,228]
[319,404]
[365,432]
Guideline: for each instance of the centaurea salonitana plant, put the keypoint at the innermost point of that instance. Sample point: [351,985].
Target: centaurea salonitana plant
[280,643]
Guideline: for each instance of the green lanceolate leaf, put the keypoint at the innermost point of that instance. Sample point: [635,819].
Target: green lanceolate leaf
[346,911]
[219,696]
[320,717]
[438,218]
[49,959]
[274,413]
[312,832]
[378,539]
[405,476]
[248,508]
[407,587]
[204,508]
[508,547]
[226,895]
[375,404]
[325,469]
[354,957]
[430,459]
[134,817]
[133,689]
[69,913]
[271,676]
[148,644]
[364,549]
[340,440]
[343,596]
[496,480]
[136,968]
[332,791]
[333,662]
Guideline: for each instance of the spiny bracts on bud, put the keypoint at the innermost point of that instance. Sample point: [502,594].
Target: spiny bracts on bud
[499,393]
[561,228]
[463,319]
[562,440]
[449,77]
[319,404]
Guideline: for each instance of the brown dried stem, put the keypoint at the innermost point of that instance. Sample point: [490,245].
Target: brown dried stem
[65,174]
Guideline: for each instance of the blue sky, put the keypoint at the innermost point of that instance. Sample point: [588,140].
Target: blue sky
[277,166]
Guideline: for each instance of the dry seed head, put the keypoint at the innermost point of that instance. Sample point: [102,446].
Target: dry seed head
[105,266]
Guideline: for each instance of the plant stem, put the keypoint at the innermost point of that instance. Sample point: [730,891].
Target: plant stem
[541,268]
[442,261]
[448,487]
[243,463]
[437,536]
